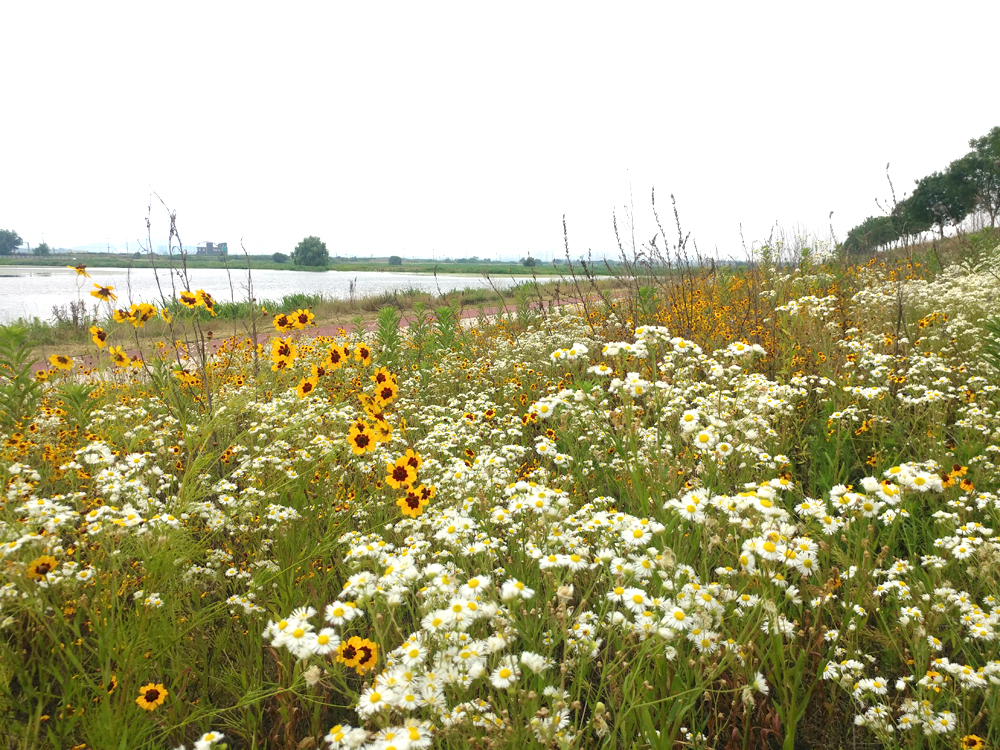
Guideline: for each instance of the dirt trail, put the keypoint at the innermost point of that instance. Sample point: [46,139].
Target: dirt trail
[465,317]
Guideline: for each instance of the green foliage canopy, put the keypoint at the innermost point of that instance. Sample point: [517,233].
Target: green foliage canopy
[311,252]
[983,169]
[942,198]
[9,241]
[873,233]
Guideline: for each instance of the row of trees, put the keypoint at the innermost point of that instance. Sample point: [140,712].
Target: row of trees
[311,251]
[940,200]
[10,241]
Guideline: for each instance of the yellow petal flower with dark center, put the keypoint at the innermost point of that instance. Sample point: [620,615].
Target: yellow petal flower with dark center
[284,323]
[412,503]
[98,336]
[104,293]
[367,656]
[283,349]
[39,568]
[118,356]
[306,386]
[347,654]
[303,318]
[360,438]
[205,299]
[401,474]
[61,362]
[151,696]
[334,358]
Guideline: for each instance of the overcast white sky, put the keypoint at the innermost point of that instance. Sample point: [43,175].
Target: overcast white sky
[470,128]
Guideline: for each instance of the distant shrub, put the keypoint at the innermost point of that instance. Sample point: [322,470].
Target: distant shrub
[311,252]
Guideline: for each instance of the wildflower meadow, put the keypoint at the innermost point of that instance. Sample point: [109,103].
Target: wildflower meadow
[705,507]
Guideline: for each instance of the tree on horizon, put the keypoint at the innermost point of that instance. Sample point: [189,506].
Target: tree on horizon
[9,241]
[311,252]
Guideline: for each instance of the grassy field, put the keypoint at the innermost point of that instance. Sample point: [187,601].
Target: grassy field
[264,262]
[73,337]
[117,260]
[728,508]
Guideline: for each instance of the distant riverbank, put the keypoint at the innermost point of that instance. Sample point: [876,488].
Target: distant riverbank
[72,337]
[30,292]
[265,263]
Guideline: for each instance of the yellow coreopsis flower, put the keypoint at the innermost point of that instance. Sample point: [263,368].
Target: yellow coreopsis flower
[98,336]
[104,293]
[205,299]
[61,362]
[283,353]
[412,504]
[361,438]
[139,314]
[302,318]
[284,323]
[334,358]
[402,473]
[40,567]
[118,356]
[151,696]
[306,386]
[387,392]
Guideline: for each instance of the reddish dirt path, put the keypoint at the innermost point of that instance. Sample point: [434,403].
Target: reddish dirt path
[88,360]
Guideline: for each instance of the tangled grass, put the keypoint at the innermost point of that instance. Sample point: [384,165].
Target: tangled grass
[727,509]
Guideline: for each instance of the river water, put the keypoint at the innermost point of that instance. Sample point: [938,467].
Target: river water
[30,292]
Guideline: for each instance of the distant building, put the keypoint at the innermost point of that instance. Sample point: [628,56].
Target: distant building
[212,248]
